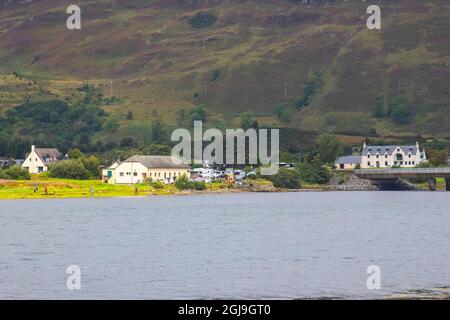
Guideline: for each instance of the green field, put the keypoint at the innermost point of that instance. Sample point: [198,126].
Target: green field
[65,188]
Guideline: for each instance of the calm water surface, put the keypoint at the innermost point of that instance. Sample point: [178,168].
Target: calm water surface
[280,245]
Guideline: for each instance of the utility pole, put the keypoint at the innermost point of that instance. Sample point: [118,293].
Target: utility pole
[285,89]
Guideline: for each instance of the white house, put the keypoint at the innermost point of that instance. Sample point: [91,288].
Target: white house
[109,174]
[348,163]
[38,160]
[390,156]
[138,169]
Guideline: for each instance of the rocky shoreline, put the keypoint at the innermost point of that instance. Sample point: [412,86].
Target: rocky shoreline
[351,183]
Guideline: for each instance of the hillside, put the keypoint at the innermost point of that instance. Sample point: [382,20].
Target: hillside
[235,57]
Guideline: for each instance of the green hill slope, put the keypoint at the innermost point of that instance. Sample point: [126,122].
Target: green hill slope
[239,56]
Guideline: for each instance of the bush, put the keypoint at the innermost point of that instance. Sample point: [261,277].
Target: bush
[202,20]
[69,169]
[314,172]
[399,110]
[157,184]
[183,183]
[284,113]
[286,178]
[199,185]
[15,173]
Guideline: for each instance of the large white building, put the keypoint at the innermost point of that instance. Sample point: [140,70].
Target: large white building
[38,160]
[392,156]
[138,169]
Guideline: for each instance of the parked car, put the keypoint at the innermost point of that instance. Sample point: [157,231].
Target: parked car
[239,175]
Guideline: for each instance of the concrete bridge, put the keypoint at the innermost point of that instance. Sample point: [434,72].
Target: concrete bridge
[396,176]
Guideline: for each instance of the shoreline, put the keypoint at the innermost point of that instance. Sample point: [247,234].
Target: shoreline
[80,189]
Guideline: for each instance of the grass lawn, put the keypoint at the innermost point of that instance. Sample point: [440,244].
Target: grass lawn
[440,184]
[67,188]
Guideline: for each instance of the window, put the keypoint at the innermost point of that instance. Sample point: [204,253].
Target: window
[409,155]
[413,163]
[386,163]
[368,156]
[378,155]
[368,163]
[121,174]
[386,155]
[135,174]
[128,173]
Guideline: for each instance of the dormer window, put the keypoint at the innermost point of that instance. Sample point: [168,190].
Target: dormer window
[368,155]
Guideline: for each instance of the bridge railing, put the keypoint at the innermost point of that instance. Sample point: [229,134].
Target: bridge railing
[403,170]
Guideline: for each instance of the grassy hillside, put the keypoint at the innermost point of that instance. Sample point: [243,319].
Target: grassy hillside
[158,56]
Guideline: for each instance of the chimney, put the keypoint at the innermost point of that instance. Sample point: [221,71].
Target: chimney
[32,148]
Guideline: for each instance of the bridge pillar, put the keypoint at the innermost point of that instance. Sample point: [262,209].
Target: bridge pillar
[432,184]
[447,184]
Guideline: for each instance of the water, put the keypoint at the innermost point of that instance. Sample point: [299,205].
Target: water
[271,245]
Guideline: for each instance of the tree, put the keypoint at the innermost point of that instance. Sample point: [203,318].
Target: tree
[202,20]
[245,120]
[197,113]
[314,172]
[15,173]
[438,157]
[284,113]
[181,116]
[286,178]
[378,107]
[183,183]
[75,153]
[69,169]
[399,110]
[158,132]
[329,147]
[126,142]
[314,83]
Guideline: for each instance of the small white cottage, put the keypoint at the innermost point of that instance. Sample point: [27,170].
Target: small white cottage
[38,160]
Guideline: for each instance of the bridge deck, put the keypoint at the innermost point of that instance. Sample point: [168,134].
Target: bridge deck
[396,173]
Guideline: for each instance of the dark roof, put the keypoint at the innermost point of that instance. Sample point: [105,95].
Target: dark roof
[51,153]
[159,162]
[388,149]
[349,160]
